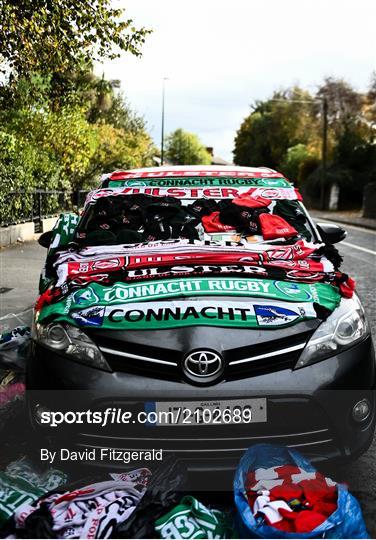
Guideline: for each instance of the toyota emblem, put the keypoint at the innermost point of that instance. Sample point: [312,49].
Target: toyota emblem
[203,366]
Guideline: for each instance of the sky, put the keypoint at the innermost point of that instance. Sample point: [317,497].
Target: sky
[222,55]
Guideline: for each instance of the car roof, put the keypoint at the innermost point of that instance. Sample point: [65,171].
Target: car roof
[166,168]
[191,170]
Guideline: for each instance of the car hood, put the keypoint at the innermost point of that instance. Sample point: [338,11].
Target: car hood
[180,341]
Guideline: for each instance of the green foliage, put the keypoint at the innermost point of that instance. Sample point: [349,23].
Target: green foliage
[295,158]
[285,133]
[47,37]
[24,167]
[184,148]
[64,150]
[61,125]
[285,120]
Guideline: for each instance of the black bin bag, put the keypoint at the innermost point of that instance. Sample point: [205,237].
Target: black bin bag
[166,487]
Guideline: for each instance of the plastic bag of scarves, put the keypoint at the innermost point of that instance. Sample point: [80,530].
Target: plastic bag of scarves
[345,522]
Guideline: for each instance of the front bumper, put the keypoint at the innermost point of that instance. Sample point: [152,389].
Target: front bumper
[309,409]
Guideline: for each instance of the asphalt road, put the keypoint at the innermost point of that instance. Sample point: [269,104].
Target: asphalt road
[359,261]
[20,266]
[19,272]
[359,254]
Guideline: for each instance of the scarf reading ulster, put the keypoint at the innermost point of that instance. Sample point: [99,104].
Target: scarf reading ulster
[87,303]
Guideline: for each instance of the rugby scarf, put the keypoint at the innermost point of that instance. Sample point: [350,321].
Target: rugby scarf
[191,519]
[298,250]
[98,305]
[250,174]
[191,181]
[93,511]
[195,250]
[54,294]
[63,231]
[15,492]
[20,485]
[70,270]
[96,294]
[217,192]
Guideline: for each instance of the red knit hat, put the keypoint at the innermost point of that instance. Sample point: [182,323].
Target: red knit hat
[273,226]
[212,224]
[245,199]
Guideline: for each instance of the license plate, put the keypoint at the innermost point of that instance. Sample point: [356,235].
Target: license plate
[204,413]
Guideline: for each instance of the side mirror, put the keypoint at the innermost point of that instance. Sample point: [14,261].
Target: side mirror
[45,239]
[331,233]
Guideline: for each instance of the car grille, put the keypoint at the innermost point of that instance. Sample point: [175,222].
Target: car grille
[225,453]
[293,421]
[239,362]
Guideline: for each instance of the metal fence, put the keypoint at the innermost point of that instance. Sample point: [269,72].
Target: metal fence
[21,206]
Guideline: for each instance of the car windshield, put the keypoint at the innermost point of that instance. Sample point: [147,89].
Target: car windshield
[123,215]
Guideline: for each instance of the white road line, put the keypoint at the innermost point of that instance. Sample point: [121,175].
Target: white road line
[366,250]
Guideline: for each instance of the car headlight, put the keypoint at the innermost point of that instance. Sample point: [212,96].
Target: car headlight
[72,342]
[342,329]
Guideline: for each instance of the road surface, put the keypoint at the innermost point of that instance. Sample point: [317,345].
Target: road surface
[359,261]
[359,253]
[20,266]
[19,271]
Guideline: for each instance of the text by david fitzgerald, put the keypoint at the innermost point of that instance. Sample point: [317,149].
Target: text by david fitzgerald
[110,455]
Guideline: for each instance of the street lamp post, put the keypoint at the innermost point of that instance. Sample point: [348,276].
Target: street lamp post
[163,115]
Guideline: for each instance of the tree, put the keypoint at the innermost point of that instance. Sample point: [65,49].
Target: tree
[344,104]
[48,37]
[252,142]
[370,102]
[60,124]
[77,149]
[184,148]
[273,126]
[293,165]
[285,133]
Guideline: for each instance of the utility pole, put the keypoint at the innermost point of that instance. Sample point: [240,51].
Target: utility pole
[324,153]
[163,115]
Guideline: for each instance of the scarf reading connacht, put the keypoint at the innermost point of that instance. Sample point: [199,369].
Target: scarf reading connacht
[176,314]
[96,298]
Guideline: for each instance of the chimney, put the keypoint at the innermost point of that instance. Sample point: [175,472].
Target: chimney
[210,149]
